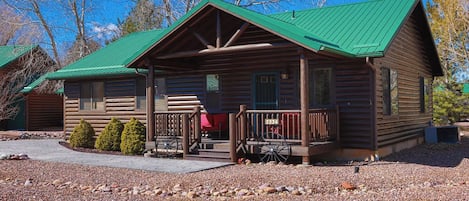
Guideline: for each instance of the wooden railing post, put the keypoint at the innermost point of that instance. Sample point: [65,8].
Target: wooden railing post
[243,120]
[185,134]
[337,137]
[233,140]
[197,131]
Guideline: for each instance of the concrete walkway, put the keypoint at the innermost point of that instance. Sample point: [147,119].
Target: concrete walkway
[51,150]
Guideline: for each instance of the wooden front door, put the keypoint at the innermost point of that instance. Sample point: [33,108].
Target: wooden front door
[266,91]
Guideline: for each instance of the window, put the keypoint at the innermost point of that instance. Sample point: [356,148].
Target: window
[320,85]
[160,94]
[141,98]
[390,92]
[92,96]
[212,82]
[161,101]
[425,88]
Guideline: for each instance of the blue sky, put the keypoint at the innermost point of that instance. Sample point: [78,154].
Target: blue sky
[106,12]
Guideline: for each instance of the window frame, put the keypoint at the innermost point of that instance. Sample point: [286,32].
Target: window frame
[91,86]
[158,93]
[313,101]
[425,94]
[388,77]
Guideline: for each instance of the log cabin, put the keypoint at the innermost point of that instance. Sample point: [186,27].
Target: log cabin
[343,82]
[37,111]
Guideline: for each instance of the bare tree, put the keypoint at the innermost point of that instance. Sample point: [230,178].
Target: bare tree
[16,75]
[75,10]
[17,29]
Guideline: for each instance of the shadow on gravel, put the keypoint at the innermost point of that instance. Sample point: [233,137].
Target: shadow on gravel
[440,154]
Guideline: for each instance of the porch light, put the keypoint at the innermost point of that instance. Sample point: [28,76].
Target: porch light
[284,75]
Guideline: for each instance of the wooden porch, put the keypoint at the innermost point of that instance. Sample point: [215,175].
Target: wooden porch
[271,134]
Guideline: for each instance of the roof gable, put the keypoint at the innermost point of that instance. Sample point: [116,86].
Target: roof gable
[353,30]
[10,53]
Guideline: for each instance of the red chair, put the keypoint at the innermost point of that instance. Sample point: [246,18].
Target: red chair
[213,123]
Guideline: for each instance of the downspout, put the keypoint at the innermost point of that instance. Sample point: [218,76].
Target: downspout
[150,102]
[369,63]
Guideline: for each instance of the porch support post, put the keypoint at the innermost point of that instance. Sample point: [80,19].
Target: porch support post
[232,134]
[150,103]
[304,99]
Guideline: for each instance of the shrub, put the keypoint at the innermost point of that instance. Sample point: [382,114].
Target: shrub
[110,138]
[133,137]
[82,135]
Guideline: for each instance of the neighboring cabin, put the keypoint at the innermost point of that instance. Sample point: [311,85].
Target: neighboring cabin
[358,75]
[37,111]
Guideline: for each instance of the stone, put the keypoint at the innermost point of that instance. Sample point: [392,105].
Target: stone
[269,189]
[348,186]
[295,192]
[272,163]
[28,182]
[56,182]
[158,192]
[281,188]
[177,188]
[3,156]
[191,195]
[247,162]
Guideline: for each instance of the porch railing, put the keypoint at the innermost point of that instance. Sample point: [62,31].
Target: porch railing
[183,125]
[251,124]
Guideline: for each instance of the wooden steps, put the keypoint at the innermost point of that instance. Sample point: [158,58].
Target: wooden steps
[219,155]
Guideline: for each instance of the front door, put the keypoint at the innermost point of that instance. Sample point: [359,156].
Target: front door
[266,91]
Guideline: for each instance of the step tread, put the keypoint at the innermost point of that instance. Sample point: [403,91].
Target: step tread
[215,150]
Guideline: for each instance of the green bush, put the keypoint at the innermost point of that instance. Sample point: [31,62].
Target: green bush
[110,138]
[133,137]
[82,135]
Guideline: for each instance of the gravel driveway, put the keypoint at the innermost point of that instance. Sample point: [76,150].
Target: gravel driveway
[426,172]
[51,150]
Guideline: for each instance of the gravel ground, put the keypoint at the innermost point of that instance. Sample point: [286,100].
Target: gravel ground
[426,172]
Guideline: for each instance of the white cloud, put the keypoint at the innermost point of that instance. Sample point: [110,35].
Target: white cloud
[104,31]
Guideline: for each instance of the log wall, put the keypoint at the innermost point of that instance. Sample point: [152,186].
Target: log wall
[119,102]
[44,111]
[408,56]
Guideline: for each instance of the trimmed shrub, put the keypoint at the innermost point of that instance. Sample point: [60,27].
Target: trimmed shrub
[133,137]
[82,135]
[110,138]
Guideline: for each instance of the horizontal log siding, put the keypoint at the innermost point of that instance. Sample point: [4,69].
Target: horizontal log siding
[353,96]
[44,111]
[119,102]
[185,92]
[406,55]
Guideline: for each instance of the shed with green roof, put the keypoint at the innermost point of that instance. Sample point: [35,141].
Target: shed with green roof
[36,111]
[344,80]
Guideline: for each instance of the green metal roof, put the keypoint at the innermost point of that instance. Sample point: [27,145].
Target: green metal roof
[362,29]
[465,88]
[12,52]
[110,60]
[34,84]
[355,30]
